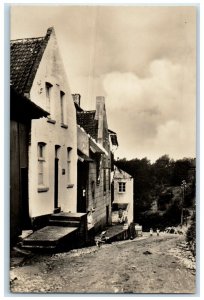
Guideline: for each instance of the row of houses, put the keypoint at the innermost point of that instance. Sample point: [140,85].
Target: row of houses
[61,156]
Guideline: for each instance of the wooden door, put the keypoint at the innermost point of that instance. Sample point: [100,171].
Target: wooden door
[82,192]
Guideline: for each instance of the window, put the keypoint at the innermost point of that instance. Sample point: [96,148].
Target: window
[98,168]
[48,87]
[41,160]
[49,104]
[121,187]
[62,94]
[41,167]
[69,154]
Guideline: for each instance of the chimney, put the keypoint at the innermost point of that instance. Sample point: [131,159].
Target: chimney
[100,105]
[77,98]
[100,115]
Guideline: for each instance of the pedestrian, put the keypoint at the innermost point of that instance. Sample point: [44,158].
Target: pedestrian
[158,232]
[151,232]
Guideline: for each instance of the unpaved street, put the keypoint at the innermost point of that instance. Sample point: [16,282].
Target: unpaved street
[144,265]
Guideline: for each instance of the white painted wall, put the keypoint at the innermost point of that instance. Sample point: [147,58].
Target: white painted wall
[127,196]
[51,70]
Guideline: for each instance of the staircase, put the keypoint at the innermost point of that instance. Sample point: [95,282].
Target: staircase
[65,231]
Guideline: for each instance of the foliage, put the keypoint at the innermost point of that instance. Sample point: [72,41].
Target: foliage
[180,171]
[171,217]
[160,181]
[191,235]
[164,199]
[173,214]
[150,221]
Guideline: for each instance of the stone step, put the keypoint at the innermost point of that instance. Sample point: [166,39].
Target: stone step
[65,223]
[50,237]
[115,233]
[67,216]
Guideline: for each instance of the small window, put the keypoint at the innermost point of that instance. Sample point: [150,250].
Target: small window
[121,187]
[98,168]
[41,164]
[48,88]
[62,104]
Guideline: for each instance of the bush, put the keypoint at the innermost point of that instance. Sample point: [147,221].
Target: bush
[173,214]
[172,217]
[153,220]
[191,235]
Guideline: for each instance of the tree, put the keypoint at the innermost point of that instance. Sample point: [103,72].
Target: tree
[162,169]
[154,182]
[181,171]
[141,171]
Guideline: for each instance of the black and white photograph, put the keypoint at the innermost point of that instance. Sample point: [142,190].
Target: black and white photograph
[102,149]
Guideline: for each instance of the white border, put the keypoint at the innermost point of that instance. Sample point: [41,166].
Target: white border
[200,149]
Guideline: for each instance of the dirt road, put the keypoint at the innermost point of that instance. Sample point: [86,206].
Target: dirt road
[144,265]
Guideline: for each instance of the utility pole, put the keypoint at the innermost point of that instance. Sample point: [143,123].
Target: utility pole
[183,188]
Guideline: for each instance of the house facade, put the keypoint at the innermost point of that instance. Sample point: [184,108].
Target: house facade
[41,77]
[94,165]
[122,206]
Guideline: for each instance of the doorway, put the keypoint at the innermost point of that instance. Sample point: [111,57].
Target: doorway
[107,215]
[56,177]
[82,179]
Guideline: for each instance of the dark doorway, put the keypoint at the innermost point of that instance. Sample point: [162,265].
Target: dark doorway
[82,179]
[107,214]
[56,182]
[56,179]
[24,199]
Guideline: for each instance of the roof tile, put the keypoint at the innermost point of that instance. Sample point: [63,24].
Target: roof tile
[86,119]
[25,57]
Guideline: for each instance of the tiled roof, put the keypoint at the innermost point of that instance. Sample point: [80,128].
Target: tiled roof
[25,57]
[120,174]
[23,109]
[86,119]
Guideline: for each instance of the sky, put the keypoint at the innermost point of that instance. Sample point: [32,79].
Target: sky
[141,58]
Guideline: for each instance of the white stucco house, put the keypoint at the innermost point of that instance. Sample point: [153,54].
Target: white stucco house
[39,74]
[122,206]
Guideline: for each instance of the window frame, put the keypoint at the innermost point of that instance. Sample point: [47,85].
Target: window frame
[63,109]
[41,157]
[69,167]
[49,104]
[121,187]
